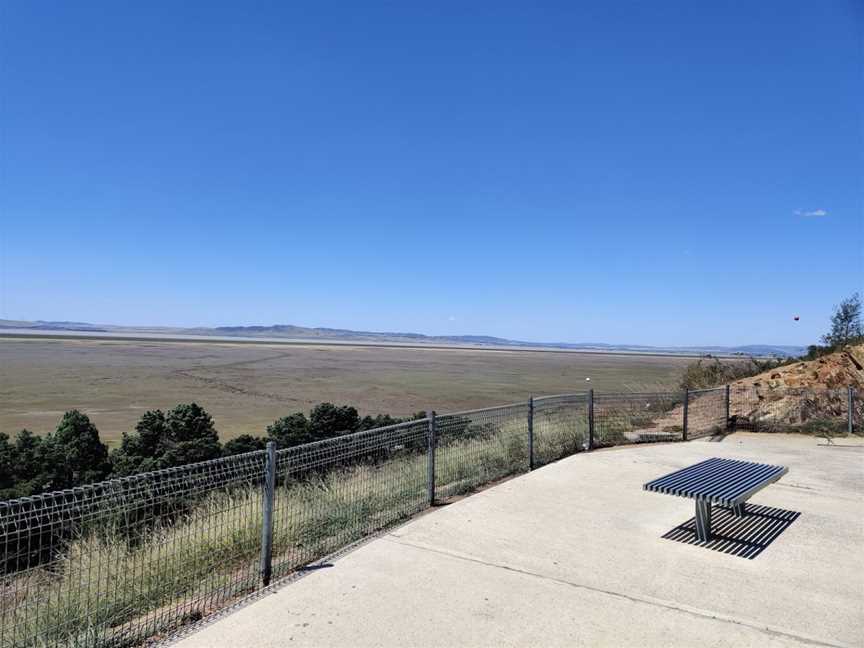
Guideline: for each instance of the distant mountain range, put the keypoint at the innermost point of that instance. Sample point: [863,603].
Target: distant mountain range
[302,333]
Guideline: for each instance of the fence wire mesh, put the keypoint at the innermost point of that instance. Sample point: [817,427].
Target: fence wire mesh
[479,446]
[637,418]
[822,412]
[116,563]
[334,492]
[560,427]
[706,412]
[126,561]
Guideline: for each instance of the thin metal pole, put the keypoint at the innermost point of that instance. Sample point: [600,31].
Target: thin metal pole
[531,433]
[590,419]
[267,527]
[728,418]
[686,404]
[849,407]
[430,461]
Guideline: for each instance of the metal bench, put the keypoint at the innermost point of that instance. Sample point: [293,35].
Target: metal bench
[723,482]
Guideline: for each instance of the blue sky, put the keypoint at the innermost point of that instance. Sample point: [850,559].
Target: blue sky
[657,173]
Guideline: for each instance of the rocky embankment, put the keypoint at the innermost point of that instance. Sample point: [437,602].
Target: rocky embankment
[813,392]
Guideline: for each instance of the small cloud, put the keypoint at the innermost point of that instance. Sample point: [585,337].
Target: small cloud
[812,213]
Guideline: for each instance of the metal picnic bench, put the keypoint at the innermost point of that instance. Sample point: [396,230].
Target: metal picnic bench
[724,482]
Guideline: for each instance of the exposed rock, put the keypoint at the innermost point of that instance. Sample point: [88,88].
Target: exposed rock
[835,371]
[802,392]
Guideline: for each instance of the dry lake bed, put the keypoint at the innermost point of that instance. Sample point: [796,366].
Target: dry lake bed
[245,386]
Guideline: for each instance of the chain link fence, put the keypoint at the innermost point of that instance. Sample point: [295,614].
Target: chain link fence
[129,561]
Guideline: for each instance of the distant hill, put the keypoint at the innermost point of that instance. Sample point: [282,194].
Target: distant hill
[292,332]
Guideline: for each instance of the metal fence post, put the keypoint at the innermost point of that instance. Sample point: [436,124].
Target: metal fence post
[849,407]
[728,418]
[267,527]
[686,404]
[590,419]
[430,460]
[531,433]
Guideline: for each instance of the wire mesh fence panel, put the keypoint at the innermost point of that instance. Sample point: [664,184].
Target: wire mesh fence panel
[119,562]
[822,412]
[638,418]
[480,446]
[124,561]
[560,427]
[706,412]
[334,492]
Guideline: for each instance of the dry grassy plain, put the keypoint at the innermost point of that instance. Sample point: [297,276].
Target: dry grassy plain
[246,386]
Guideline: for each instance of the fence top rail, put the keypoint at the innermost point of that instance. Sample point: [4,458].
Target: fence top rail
[787,389]
[484,409]
[657,394]
[350,437]
[707,390]
[561,396]
[119,485]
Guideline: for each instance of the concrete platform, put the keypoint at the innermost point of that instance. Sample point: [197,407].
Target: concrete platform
[573,554]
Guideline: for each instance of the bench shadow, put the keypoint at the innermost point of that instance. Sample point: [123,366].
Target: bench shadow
[746,537]
[308,568]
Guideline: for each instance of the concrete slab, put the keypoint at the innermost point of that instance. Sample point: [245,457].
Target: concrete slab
[573,554]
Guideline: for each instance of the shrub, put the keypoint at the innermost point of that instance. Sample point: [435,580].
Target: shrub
[712,372]
[74,454]
[243,443]
[185,434]
[328,420]
[290,431]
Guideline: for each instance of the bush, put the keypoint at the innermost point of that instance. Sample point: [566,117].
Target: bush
[328,420]
[243,443]
[22,465]
[185,434]
[8,461]
[74,454]
[712,372]
[290,431]
[381,420]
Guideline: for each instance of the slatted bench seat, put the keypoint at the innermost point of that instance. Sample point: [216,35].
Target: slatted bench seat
[723,482]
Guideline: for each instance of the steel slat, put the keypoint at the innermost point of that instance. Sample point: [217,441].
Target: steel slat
[720,481]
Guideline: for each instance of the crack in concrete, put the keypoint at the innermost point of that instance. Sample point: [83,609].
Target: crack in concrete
[704,614]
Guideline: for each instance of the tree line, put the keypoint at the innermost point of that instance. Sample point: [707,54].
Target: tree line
[74,454]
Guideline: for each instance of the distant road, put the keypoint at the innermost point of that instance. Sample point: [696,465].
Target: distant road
[156,337]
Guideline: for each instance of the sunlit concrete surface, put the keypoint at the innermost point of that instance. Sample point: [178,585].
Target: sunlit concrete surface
[573,554]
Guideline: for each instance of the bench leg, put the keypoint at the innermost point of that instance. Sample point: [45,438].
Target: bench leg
[703,520]
[738,510]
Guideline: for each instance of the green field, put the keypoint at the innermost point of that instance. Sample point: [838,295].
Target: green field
[246,386]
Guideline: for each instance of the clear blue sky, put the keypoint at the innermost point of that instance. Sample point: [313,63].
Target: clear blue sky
[642,172]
